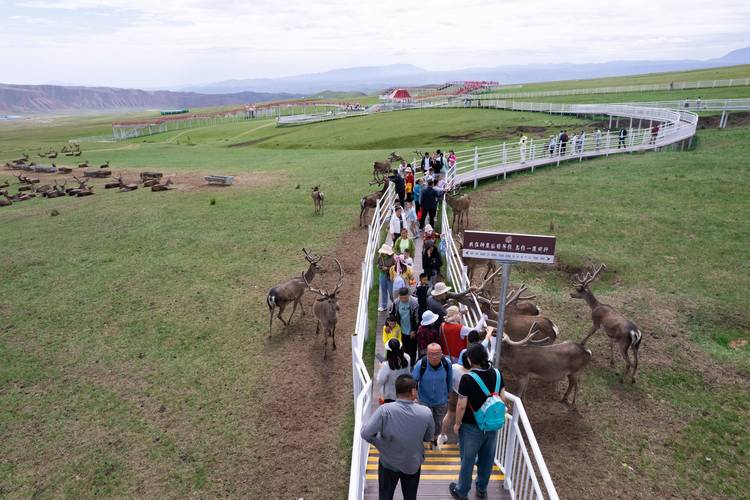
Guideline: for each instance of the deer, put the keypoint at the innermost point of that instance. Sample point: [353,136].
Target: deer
[460,206]
[83,188]
[318,198]
[371,200]
[381,169]
[516,326]
[57,191]
[5,200]
[291,291]
[85,164]
[619,329]
[105,164]
[513,306]
[325,309]
[162,186]
[549,362]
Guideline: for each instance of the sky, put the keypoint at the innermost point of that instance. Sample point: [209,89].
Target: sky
[166,44]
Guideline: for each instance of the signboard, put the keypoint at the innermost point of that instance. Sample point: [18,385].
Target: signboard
[509,247]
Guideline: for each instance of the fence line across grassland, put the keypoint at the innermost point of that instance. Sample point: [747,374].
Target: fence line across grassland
[648,87]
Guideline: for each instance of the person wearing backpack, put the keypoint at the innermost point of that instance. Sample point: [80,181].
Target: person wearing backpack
[480,413]
[433,374]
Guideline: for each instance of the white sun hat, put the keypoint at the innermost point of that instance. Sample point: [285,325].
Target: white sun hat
[440,289]
[429,318]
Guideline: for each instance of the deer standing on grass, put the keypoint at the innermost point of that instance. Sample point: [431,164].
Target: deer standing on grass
[318,198]
[549,363]
[325,309]
[619,329]
[291,291]
[460,205]
[371,201]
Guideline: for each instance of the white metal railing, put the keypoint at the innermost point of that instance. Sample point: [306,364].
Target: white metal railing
[304,119]
[697,105]
[517,453]
[705,84]
[361,381]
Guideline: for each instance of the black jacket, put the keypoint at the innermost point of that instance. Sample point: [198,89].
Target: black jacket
[429,199]
[431,263]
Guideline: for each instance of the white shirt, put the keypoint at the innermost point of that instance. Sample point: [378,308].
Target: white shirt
[397,223]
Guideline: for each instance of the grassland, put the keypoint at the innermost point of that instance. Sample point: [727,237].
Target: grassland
[133,325]
[739,71]
[672,229]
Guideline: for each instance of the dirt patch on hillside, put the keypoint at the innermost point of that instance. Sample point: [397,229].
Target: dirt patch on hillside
[736,119]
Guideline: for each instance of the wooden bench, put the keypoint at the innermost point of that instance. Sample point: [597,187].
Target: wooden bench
[219,180]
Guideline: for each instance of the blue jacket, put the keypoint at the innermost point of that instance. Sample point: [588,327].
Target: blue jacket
[417,192]
[434,386]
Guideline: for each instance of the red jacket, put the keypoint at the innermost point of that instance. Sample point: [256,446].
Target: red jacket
[453,344]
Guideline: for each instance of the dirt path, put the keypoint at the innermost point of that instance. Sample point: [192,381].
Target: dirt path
[309,399]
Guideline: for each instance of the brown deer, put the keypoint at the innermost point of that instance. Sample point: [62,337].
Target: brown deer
[371,201]
[318,198]
[325,309]
[381,169]
[518,325]
[163,186]
[5,200]
[549,363]
[619,329]
[513,306]
[105,164]
[85,164]
[291,291]
[58,190]
[460,205]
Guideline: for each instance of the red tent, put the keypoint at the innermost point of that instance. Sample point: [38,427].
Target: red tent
[400,94]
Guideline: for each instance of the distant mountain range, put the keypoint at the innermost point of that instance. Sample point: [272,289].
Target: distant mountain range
[56,98]
[374,78]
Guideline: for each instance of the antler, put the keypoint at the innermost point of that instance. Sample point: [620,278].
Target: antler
[320,292]
[516,295]
[526,340]
[584,281]
[312,259]
[341,277]
[489,278]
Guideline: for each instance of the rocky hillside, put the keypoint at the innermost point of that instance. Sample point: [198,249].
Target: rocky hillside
[52,98]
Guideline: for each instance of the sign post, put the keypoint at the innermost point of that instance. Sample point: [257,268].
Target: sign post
[508,248]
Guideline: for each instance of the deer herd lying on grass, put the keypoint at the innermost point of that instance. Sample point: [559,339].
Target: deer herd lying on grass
[31,187]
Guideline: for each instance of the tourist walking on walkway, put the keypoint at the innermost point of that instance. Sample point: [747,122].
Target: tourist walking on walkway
[522,147]
[451,159]
[391,329]
[418,185]
[438,164]
[477,436]
[433,375]
[398,430]
[453,333]
[552,145]
[403,243]
[427,333]
[422,292]
[431,260]
[426,166]
[397,222]
[385,285]
[459,369]
[412,223]
[654,133]
[563,141]
[429,204]
[399,184]
[623,134]
[409,182]
[397,363]
[598,138]
[575,144]
[406,311]
[402,274]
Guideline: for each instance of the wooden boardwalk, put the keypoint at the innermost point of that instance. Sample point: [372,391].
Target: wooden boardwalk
[441,466]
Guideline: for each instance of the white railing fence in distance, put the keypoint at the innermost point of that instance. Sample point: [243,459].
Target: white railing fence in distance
[361,381]
[517,454]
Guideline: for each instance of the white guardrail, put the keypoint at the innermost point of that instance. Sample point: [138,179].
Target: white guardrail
[518,454]
[649,87]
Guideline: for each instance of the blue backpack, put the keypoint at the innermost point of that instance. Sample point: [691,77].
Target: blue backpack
[491,415]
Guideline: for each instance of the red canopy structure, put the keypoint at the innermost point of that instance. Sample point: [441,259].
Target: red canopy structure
[400,95]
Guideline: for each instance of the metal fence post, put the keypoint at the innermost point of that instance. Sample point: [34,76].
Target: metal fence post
[476,166]
[505,154]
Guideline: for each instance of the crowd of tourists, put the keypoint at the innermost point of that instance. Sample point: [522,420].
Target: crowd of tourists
[436,376]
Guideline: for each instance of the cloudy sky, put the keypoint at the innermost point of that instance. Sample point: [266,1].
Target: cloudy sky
[160,43]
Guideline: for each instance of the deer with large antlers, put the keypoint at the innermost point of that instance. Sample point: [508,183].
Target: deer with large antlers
[381,169]
[460,205]
[526,308]
[318,198]
[472,263]
[291,291]
[549,362]
[518,325]
[325,309]
[619,329]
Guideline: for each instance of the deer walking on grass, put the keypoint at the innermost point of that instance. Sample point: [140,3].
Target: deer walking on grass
[326,308]
[318,198]
[291,291]
[371,201]
[619,329]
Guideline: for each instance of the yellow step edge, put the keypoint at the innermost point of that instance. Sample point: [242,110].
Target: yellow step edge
[456,459]
[441,477]
[429,467]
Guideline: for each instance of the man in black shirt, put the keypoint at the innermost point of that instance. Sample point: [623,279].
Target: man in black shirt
[429,204]
[476,445]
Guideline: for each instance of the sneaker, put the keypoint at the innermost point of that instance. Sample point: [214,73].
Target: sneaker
[381,309]
[441,440]
[454,492]
[481,493]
